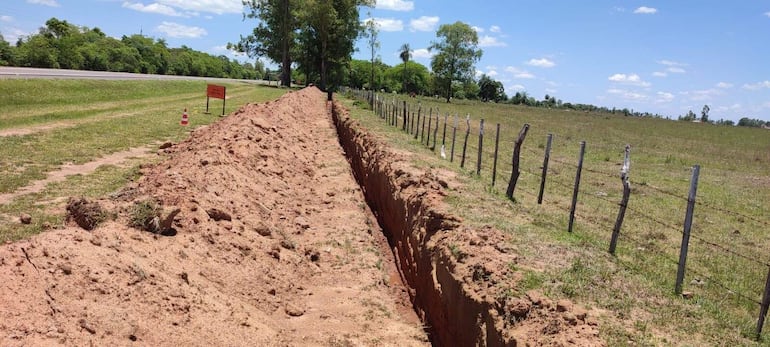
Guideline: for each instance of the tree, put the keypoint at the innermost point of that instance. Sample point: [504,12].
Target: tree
[704,114]
[275,36]
[491,90]
[371,32]
[418,80]
[405,53]
[6,52]
[456,55]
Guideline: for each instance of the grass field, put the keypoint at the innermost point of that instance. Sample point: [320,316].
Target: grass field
[77,121]
[727,262]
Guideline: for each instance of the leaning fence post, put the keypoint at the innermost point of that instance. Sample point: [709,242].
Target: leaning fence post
[494,161]
[624,201]
[543,176]
[764,305]
[454,133]
[481,141]
[465,142]
[577,186]
[515,161]
[687,227]
[443,137]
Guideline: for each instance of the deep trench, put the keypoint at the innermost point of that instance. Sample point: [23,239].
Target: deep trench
[405,208]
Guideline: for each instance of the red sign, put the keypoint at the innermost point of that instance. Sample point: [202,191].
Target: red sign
[215,91]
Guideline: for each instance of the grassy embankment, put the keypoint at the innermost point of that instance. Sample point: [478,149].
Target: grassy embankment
[635,287]
[79,121]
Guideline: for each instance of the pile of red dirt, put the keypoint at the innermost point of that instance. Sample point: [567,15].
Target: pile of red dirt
[273,245]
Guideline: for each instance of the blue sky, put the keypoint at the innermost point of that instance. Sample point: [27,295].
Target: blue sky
[657,56]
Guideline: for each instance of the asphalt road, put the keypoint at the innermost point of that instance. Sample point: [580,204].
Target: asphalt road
[25,72]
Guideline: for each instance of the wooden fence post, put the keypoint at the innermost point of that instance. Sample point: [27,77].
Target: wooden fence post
[465,142]
[687,227]
[494,161]
[577,186]
[481,142]
[406,115]
[417,127]
[546,159]
[435,133]
[430,124]
[443,137]
[515,172]
[454,133]
[624,201]
[763,307]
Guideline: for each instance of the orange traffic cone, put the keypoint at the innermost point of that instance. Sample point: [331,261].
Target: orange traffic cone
[185,120]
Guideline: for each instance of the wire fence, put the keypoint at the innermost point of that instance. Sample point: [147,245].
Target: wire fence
[490,150]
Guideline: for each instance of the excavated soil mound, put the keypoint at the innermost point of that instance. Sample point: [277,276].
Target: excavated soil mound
[273,246]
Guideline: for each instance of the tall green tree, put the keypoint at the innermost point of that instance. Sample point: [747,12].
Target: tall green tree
[405,53]
[456,53]
[371,33]
[275,35]
[328,32]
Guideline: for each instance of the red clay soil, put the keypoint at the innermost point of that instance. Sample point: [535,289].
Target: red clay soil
[462,281]
[274,246]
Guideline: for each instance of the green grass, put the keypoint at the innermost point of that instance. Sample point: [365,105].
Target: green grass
[78,121]
[637,285]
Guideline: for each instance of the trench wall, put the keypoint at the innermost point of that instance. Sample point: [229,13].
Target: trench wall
[410,210]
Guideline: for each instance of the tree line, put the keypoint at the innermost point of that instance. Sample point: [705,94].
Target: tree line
[62,45]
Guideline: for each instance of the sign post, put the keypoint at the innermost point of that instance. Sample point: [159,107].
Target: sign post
[217,92]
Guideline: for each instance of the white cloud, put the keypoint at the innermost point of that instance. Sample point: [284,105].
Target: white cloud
[477,29]
[664,97]
[51,3]
[646,10]
[229,52]
[671,63]
[767,14]
[659,74]
[702,95]
[516,87]
[207,6]
[724,85]
[627,95]
[489,41]
[550,91]
[494,29]
[152,8]
[492,73]
[519,73]
[14,34]
[632,79]
[479,73]
[542,62]
[676,69]
[178,30]
[387,24]
[395,5]
[424,23]
[422,53]
[757,86]
[6,19]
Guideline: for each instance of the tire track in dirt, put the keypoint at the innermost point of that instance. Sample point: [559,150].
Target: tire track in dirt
[65,171]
